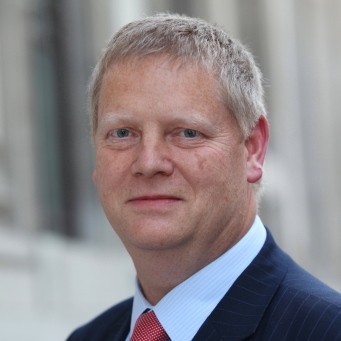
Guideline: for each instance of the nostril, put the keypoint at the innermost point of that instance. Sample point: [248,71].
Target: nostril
[152,165]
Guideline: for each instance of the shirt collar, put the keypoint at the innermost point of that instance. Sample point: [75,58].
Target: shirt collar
[185,308]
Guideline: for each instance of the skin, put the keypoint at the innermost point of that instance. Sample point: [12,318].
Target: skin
[173,171]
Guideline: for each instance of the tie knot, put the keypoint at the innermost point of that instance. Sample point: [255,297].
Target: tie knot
[148,328]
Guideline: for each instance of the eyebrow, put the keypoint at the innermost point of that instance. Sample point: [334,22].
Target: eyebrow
[192,119]
[110,118]
[188,116]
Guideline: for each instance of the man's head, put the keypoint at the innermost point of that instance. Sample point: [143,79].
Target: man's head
[177,149]
[189,40]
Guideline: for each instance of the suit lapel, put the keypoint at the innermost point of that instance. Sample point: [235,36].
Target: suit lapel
[120,329]
[238,314]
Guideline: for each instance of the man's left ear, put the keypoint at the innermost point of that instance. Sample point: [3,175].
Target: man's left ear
[256,145]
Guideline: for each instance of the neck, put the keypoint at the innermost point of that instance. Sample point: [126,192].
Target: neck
[159,271]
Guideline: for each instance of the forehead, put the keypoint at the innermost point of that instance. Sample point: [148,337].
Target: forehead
[163,65]
[159,76]
[174,62]
[157,88]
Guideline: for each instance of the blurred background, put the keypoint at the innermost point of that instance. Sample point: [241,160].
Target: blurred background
[60,262]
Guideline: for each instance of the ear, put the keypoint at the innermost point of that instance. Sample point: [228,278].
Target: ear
[256,145]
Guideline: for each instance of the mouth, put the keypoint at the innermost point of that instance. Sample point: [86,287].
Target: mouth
[155,197]
[154,201]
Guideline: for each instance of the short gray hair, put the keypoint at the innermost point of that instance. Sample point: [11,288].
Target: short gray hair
[189,40]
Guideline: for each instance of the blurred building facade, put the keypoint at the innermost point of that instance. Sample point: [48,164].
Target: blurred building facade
[47,51]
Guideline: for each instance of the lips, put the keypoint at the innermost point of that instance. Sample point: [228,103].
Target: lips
[155,197]
[154,200]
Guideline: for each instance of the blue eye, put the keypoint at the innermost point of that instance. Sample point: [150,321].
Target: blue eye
[122,132]
[190,133]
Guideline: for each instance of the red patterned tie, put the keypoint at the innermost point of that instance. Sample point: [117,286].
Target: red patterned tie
[148,328]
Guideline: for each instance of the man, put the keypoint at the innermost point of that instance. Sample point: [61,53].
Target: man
[180,132]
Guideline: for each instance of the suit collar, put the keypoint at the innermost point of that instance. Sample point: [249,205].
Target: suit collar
[238,314]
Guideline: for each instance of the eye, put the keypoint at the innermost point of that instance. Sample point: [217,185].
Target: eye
[120,133]
[190,133]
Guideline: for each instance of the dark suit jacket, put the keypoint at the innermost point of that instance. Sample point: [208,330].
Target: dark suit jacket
[273,299]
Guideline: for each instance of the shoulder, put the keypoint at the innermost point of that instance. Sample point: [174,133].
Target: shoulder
[305,310]
[300,284]
[303,307]
[114,320]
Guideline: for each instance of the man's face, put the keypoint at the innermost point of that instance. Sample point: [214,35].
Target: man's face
[171,163]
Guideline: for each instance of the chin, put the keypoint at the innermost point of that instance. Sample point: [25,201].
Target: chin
[155,242]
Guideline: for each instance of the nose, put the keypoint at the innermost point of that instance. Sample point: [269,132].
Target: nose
[153,157]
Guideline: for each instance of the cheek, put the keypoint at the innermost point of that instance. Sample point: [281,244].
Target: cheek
[219,172]
[213,164]
[109,171]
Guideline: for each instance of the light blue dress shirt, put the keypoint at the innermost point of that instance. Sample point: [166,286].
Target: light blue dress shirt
[185,308]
